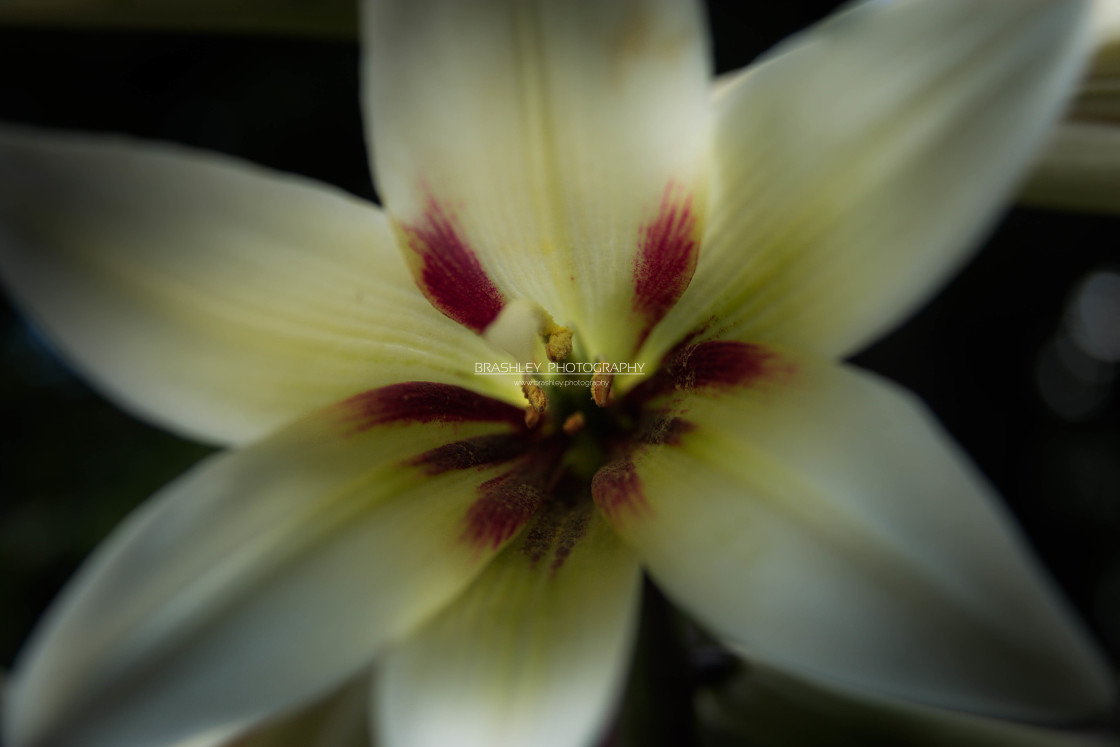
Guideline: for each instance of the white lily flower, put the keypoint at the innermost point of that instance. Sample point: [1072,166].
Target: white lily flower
[561,186]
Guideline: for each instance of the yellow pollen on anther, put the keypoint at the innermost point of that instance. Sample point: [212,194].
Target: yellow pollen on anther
[559,345]
[574,424]
[601,388]
[538,401]
[532,418]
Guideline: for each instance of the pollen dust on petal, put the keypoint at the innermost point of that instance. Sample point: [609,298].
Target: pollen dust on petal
[666,259]
[722,363]
[657,429]
[506,503]
[447,269]
[479,451]
[424,402]
[557,530]
[712,366]
[617,490]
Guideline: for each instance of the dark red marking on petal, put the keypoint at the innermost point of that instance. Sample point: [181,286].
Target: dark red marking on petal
[561,524]
[505,504]
[448,271]
[473,452]
[657,429]
[616,488]
[716,364]
[666,258]
[574,530]
[720,363]
[570,532]
[426,402]
[508,502]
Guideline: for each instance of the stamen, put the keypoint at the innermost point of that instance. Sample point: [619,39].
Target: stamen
[532,418]
[538,401]
[574,424]
[559,345]
[601,388]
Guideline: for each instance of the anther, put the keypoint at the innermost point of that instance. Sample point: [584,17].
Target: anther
[532,418]
[559,345]
[601,388]
[574,424]
[538,401]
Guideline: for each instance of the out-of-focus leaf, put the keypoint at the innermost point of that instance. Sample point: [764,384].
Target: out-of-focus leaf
[308,18]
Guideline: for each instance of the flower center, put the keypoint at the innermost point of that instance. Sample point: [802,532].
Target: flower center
[570,451]
[576,436]
[548,488]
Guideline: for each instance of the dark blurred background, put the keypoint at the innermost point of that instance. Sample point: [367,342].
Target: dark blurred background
[1017,357]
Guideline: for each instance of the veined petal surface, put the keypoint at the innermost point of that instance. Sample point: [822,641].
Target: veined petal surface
[817,519]
[213,297]
[268,575]
[855,167]
[533,653]
[553,151]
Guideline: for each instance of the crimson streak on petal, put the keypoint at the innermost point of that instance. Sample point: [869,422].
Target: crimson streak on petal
[721,364]
[712,365]
[659,428]
[479,451]
[426,402]
[559,528]
[666,258]
[507,502]
[447,270]
[658,405]
[616,488]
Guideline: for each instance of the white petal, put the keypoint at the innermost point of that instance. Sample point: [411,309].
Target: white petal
[338,720]
[268,575]
[857,165]
[517,331]
[534,653]
[1079,170]
[818,519]
[551,151]
[210,296]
